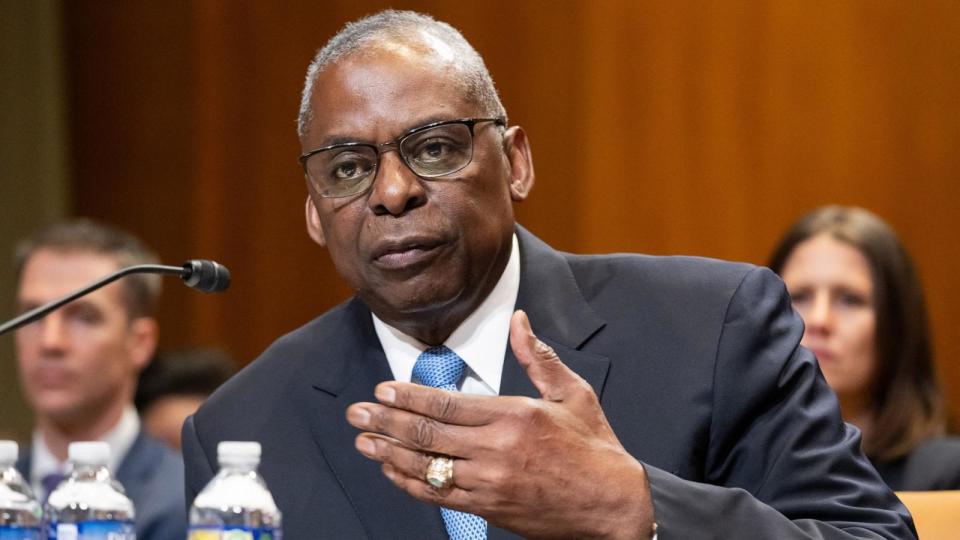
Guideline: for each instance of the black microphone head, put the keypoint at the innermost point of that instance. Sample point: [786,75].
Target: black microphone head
[205,275]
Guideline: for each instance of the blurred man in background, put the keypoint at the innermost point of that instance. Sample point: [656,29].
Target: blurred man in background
[79,365]
[174,385]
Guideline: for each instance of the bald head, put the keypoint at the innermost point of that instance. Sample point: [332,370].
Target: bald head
[406,34]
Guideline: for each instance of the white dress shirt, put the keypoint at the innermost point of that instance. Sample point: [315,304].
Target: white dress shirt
[120,439]
[481,339]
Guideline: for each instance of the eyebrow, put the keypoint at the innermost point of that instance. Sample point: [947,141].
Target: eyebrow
[24,306]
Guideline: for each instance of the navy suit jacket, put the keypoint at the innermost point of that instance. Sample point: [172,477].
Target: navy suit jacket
[697,366]
[152,476]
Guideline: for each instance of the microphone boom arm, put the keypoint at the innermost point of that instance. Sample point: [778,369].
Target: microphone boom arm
[190,272]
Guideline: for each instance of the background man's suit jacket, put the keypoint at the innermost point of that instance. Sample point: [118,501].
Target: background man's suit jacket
[698,369]
[152,476]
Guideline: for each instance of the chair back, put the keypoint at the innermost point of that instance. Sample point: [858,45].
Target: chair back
[935,513]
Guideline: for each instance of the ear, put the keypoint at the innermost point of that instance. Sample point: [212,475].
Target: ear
[142,341]
[517,148]
[314,227]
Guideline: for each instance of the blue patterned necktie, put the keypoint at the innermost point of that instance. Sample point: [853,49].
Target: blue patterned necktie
[440,367]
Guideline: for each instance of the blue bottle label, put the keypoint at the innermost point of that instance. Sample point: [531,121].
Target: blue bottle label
[92,530]
[207,532]
[13,532]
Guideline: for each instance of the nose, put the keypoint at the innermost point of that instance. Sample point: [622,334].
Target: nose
[52,333]
[818,316]
[396,189]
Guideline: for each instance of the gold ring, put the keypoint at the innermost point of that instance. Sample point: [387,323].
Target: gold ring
[440,472]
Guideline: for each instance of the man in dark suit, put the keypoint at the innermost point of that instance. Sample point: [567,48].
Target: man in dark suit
[638,396]
[79,365]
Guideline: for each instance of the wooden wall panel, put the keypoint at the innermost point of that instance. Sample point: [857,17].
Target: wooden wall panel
[33,172]
[664,127]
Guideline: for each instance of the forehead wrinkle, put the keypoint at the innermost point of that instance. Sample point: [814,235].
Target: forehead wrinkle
[368,110]
[425,50]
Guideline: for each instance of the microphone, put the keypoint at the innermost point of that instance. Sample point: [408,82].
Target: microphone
[201,274]
[205,275]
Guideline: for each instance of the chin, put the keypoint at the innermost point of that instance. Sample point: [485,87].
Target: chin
[62,414]
[421,305]
[424,291]
[60,406]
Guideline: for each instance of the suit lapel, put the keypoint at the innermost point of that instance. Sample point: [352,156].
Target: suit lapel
[559,315]
[358,365]
[593,368]
[136,465]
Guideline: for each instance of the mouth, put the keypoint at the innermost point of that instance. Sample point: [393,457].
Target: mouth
[400,253]
[51,377]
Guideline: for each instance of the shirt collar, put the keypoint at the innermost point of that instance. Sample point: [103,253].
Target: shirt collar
[481,339]
[120,439]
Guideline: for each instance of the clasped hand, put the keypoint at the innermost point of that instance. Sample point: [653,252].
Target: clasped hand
[543,468]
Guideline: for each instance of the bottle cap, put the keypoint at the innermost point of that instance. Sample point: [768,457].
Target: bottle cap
[89,453]
[9,450]
[238,453]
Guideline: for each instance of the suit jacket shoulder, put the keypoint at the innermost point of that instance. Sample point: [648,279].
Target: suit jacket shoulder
[152,475]
[667,291]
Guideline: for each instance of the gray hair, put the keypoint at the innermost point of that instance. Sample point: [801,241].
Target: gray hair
[409,27]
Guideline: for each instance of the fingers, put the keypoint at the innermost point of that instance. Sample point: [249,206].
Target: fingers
[412,463]
[419,432]
[438,421]
[552,378]
[442,405]
[412,430]
[407,470]
[454,497]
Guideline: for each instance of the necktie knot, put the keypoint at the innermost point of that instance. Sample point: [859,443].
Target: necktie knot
[439,367]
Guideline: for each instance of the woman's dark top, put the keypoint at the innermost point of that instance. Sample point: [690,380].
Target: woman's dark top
[934,465]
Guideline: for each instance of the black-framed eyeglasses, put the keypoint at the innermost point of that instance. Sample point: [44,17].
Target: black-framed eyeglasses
[430,151]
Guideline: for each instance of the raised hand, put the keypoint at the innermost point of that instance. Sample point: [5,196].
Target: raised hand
[543,468]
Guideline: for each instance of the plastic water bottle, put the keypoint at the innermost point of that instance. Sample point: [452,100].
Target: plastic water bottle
[236,504]
[89,504]
[21,517]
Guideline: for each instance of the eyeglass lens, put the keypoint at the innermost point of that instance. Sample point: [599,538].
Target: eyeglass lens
[348,169]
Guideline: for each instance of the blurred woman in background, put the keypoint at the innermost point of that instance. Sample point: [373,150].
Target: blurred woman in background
[856,289]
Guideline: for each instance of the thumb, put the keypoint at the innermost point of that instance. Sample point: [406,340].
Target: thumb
[551,377]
